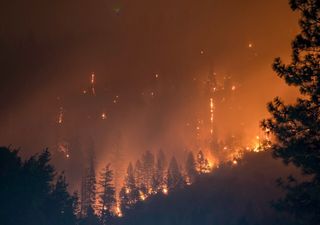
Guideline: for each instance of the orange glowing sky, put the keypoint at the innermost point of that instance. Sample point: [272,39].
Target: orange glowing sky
[151,60]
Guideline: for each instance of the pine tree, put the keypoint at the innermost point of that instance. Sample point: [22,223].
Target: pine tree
[37,178]
[190,167]
[139,179]
[29,194]
[159,180]
[175,179]
[297,126]
[129,194]
[61,206]
[202,163]
[88,186]
[106,196]
[148,170]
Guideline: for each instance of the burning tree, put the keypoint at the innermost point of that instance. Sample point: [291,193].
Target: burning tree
[148,170]
[138,175]
[129,194]
[202,163]
[297,126]
[106,196]
[159,179]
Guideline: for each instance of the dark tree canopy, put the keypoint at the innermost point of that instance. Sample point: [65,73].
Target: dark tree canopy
[297,126]
[29,194]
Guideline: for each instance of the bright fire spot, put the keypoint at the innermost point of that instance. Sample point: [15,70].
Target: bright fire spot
[250,45]
[157,75]
[233,88]
[142,196]
[103,116]
[257,147]
[165,191]
[118,212]
[234,162]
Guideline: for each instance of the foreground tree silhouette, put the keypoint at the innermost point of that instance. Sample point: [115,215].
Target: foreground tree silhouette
[61,206]
[28,194]
[297,126]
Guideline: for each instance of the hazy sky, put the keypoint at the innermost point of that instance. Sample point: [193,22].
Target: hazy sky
[152,57]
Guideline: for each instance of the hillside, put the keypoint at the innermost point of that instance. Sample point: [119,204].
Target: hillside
[232,195]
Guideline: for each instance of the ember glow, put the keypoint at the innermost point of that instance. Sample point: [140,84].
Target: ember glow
[93,81]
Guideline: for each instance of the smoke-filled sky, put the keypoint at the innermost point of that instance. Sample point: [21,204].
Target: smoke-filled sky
[151,61]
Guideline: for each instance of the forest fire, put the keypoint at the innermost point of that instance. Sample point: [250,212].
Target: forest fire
[157,113]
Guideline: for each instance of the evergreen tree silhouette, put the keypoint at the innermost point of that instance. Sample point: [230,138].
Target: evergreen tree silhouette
[129,194]
[190,168]
[297,126]
[175,179]
[106,196]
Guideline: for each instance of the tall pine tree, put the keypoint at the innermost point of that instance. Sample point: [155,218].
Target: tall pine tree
[106,195]
[61,206]
[148,170]
[129,194]
[297,126]
[159,178]
[175,178]
[191,168]
[88,186]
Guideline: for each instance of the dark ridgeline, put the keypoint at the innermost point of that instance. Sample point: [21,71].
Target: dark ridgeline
[297,126]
